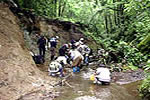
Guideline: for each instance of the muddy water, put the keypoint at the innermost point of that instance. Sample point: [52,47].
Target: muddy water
[83,89]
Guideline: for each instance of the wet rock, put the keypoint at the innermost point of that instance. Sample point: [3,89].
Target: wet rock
[128,76]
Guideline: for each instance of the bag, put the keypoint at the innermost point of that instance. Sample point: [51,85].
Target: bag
[38,59]
[92,77]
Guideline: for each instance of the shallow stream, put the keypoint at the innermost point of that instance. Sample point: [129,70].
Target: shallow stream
[83,89]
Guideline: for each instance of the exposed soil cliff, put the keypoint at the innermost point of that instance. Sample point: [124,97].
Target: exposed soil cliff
[18,73]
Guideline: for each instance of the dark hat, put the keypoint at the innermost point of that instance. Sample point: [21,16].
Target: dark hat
[73,41]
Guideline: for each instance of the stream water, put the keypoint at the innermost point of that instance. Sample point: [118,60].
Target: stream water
[83,89]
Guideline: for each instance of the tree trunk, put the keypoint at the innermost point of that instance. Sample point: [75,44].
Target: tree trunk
[110,22]
[115,17]
[55,8]
[59,8]
[63,8]
[106,23]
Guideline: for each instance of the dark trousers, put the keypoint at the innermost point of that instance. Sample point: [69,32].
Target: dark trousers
[103,82]
[53,44]
[62,52]
[42,51]
[53,51]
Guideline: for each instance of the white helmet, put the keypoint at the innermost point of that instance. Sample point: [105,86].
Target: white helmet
[54,67]
[81,39]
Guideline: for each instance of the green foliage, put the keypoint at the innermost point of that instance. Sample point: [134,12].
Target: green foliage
[147,66]
[145,44]
[132,67]
[145,88]
[120,26]
[131,54]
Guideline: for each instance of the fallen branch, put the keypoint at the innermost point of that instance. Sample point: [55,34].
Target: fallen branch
[69,84]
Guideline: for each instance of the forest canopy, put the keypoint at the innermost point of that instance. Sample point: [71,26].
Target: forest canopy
[104,20]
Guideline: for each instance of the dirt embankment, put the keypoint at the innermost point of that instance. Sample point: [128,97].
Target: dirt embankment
[67,31]
[18,73]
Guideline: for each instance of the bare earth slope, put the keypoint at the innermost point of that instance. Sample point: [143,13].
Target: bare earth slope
[18,73]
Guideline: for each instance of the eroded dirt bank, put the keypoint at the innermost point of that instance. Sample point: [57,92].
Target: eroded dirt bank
[18,73]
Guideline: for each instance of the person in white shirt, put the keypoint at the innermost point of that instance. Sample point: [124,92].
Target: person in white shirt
[54,68]
[80,42]
[62,59]
[102,75]
[85,51]
[57,66]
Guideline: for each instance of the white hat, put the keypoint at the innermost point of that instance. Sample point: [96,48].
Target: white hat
[57,37]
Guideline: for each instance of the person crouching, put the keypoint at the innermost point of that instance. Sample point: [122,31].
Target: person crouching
[76,58]
[102,75]
[57,66]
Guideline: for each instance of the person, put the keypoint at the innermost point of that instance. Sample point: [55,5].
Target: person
[62,60]
[85,51]
[53,43]
[54,68]
[64,49]
[53,53]
[76,59]
[73,42]
[58,66]
[41,45]
[102,75]
[81,41]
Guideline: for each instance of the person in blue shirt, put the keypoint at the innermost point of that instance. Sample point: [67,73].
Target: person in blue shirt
[53,43]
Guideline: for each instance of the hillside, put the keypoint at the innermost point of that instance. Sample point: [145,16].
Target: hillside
[18,73]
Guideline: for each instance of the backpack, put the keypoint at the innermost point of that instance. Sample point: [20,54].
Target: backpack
[38,59]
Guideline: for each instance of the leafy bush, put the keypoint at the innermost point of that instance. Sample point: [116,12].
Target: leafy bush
[145,88]
[129,53]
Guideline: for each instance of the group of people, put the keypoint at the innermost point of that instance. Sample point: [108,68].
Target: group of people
[70,54]
[44,43]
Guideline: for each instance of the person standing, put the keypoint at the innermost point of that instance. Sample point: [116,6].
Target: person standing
[53,43]
[84,50]
[41,45]
[58,66]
